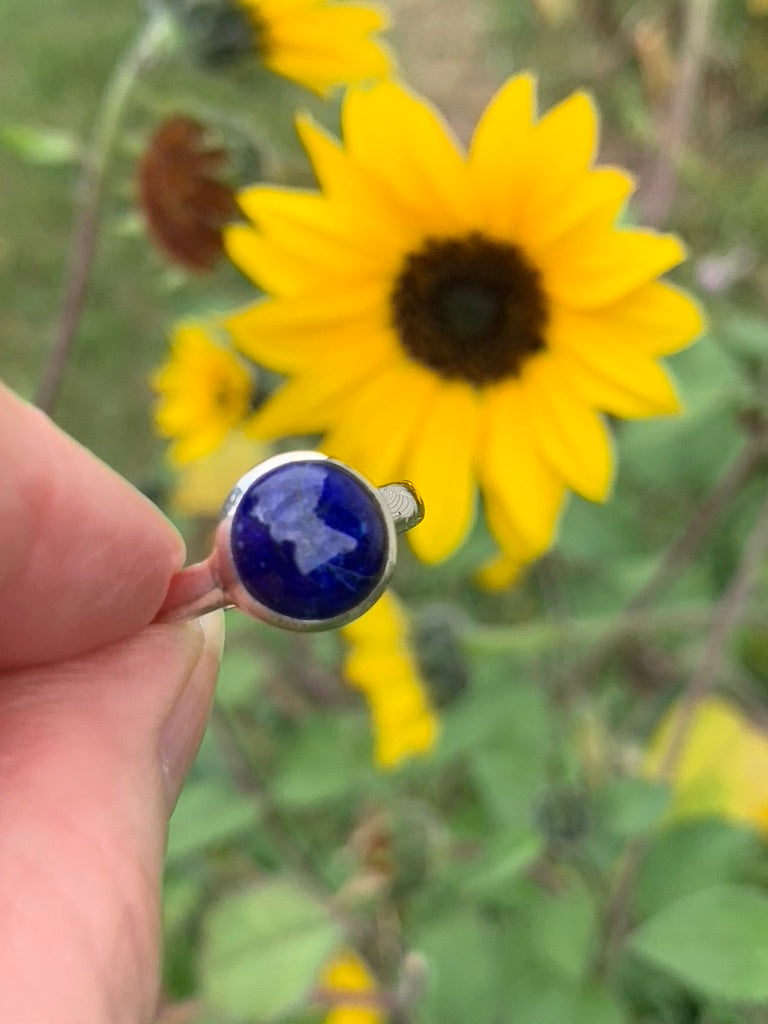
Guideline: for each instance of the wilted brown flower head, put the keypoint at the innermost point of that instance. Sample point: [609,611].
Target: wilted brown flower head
[184,203]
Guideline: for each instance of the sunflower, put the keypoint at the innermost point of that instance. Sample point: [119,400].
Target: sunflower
[461,319]
[382,665]
[318,44]
[205,392]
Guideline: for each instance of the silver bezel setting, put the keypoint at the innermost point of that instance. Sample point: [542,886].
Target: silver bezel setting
[226,571]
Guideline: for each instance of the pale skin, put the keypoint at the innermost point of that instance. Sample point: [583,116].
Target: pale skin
[101,714]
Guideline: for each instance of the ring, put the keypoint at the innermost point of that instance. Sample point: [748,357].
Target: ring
[304,543]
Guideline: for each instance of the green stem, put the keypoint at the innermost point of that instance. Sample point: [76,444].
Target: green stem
[530,638]
[82,246]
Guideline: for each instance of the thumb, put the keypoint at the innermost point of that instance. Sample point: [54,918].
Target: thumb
[92,755]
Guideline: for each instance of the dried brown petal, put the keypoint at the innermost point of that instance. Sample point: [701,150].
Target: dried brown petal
[184,203]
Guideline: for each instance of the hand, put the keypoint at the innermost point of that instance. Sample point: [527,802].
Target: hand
[101,714]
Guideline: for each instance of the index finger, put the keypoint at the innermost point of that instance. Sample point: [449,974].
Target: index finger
[85,559]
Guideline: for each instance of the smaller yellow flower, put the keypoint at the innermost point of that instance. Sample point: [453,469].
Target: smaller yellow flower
[317,43]
[723,769]
[205,392]
[381,664]
[201,486]
[346,974]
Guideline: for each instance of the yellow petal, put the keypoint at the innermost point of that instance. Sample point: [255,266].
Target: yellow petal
[557,153]
[631,386]
[321,25]
[178,415]
[195,445]
[366,203]
[388,127]
[587,269]
[722,769]
[617,379]
[599,194]
[384,624]
[290,335]
[655,319]
[271,10]
[336,174]
[381,665]
[573,437]
[441,467]
[264,262]
[499,572]
[309,403]
[361,201]
[399,739]
[301,244]
[200,489]
[496,156]
[322,45]
[513,472]
[308,224]
[340,62]
[347,975]
[715,728]
[381,419]
[373,668]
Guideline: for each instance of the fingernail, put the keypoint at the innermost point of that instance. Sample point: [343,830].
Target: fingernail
[183,730]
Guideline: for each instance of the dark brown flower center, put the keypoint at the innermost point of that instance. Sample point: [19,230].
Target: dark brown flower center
[469,308]
[223,396]
[223,32]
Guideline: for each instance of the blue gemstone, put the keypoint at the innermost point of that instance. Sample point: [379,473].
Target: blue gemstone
[309,540]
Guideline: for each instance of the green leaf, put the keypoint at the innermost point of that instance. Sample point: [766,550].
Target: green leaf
[263,950]
[714,940]
[561,928]
[707,373]
[537,993]
[745,334]
[650,449]
[494,877]
[208,814]
[43,146]
[242,671]
[329,757]
[510,770]
[593,1006]
[182,896]
[461,954]
[591,533]
[692,855]
[557,1003]
[629,807]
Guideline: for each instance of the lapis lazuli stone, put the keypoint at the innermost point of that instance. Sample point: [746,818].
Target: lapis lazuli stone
[309,540]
